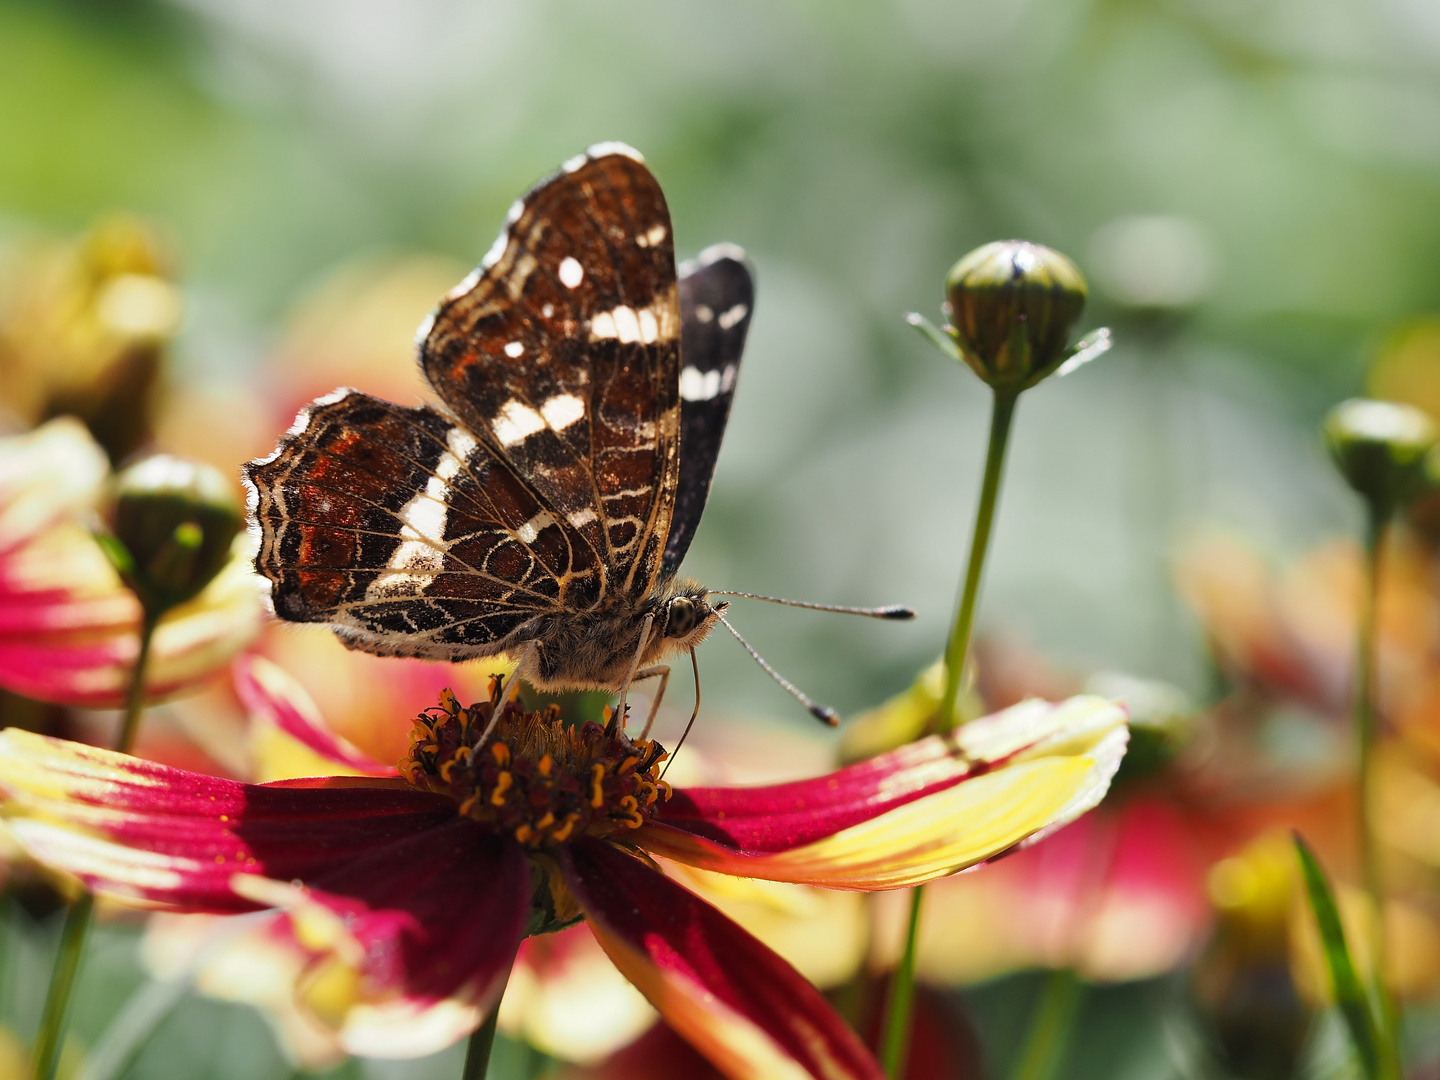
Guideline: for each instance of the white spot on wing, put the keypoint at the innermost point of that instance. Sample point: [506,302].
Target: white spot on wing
[733,316]
[602,326]
[535,526]
[514,350]
[547,311]
[461,443]
[727,378]
[516,209]
[581,517]
[697,385]
[651,236]
[649,328]
[516,421]
[571,272]
[703,313]
[562,410]
[571,164]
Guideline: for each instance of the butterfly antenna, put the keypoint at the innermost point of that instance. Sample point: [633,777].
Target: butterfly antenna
[820,712]
[691,722]
[893,611]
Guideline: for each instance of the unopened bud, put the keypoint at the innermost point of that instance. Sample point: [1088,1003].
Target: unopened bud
[1012,306]
[172,523]
[1380,448]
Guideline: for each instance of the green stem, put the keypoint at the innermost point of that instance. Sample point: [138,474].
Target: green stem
[62,981]
[1051,1029]
[1366,724]
[958,646]
[135,696]
[477,1051]
[902,997]
[77,919]
[902,987]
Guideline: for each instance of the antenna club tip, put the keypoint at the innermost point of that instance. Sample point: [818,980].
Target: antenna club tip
[825,714]
[897,611]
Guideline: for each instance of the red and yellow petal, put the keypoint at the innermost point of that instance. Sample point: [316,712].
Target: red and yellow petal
[921,812]
[725,992]
[273,696]
[149,834]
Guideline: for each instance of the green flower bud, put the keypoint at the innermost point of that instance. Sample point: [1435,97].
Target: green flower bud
[171,526]
[1381,449]
[1012,305]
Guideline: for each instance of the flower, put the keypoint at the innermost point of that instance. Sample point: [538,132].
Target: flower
[69,628]
[84,326]
[413,893]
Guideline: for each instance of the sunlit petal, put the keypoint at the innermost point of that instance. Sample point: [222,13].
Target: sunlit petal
[732,998]
[921,812]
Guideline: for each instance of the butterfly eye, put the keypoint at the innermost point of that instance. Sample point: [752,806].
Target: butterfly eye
[680,617]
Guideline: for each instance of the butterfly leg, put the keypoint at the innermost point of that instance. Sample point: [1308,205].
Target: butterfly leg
[663,671]
[618,718]
[507,690]
[695,666]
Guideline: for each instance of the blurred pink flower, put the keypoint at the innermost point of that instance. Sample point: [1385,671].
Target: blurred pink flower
[69,629]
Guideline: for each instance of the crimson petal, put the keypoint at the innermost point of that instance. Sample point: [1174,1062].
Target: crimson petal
[270,693]
[736,1001]
[169,838]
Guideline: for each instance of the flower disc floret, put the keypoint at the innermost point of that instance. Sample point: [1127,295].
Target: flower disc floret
[535,778]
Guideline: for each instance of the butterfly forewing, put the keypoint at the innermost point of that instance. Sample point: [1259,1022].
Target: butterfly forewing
[717,297]
[563,357]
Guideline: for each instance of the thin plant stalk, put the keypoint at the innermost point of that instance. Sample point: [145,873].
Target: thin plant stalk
[77,920]
[1365,731]
[958,647]
[1051,1028]
[902,986]
[896,1051]
[477,1050]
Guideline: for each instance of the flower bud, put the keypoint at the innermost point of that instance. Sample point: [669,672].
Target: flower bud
[1380,448]
[1012,305]
[172,523]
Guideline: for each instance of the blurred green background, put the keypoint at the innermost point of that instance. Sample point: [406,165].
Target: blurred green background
[1253,187]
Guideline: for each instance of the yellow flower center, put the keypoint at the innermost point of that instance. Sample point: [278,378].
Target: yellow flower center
[535,778]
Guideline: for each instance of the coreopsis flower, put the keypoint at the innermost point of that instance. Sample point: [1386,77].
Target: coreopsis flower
[564,996]
[69,627]
[413,892]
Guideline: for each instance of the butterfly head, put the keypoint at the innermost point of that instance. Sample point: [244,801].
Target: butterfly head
[686,616]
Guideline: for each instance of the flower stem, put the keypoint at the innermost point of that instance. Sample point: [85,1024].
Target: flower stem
[902,996]
[62,981]
[77,919]
[1050,1030]
[477,1051]
[135,696]
[1366,724]
[902,987]
[957,648]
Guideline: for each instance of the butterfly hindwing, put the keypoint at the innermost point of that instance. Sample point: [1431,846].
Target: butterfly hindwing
[562,354]
[717,298]
[404,532]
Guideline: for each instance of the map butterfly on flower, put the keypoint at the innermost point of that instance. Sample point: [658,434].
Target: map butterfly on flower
[543,510]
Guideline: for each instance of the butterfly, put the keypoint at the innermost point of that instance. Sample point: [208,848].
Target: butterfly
[542,510]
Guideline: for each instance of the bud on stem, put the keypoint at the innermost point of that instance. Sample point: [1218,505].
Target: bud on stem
[171,526]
